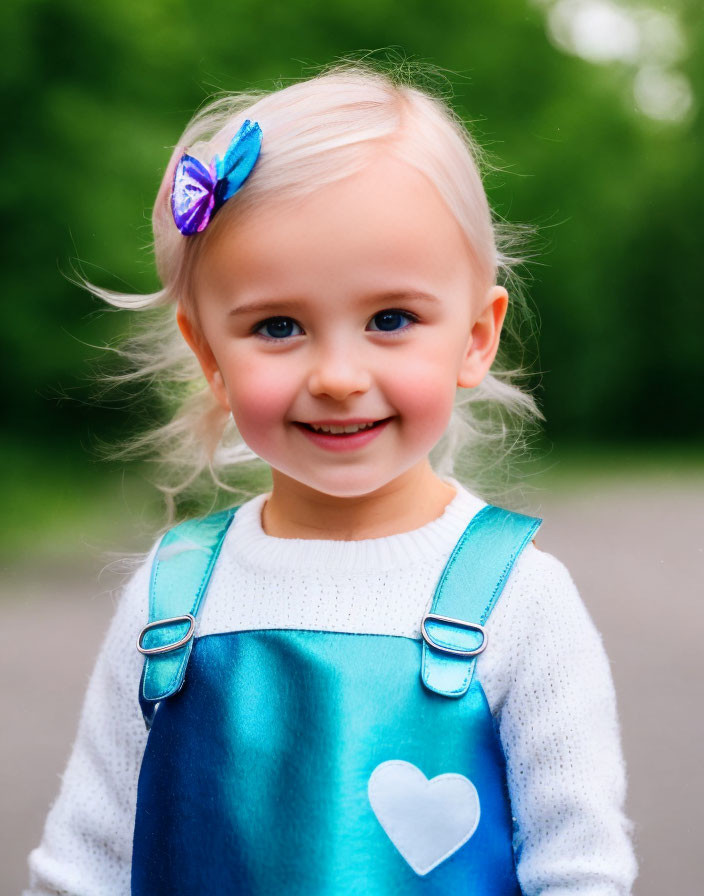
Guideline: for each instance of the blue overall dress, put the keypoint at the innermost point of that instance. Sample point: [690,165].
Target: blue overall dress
[315,763]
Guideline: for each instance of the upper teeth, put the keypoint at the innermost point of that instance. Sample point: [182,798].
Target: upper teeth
[354,427]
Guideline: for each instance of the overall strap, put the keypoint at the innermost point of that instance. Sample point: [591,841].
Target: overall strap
[180,575]
[469,587]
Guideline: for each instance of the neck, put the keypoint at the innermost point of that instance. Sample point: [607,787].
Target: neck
[412,500]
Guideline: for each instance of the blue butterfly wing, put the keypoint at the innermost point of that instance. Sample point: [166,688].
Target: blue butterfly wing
[239,159]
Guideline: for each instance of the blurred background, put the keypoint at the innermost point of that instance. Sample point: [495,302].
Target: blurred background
[591,111]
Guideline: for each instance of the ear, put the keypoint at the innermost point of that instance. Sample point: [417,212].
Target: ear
[484,339]
[200,348]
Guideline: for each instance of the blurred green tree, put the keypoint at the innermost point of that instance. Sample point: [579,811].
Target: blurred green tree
[96,94]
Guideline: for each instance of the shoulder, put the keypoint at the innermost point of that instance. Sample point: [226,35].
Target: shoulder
[541,587]
[132,605]
[541,634]
[541,605]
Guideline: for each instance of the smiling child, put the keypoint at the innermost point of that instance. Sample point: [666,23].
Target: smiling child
[366,680]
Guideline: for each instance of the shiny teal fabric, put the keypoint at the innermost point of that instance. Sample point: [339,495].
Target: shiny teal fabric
[469,587]
[180,576]
[255,774]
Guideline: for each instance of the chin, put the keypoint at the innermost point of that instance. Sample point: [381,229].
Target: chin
[345,490]
[348,485]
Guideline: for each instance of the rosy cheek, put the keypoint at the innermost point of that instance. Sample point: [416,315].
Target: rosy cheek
[431,414]
[426,393]
[259,400]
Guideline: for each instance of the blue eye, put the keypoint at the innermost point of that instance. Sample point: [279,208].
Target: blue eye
[278,328]
[388,321]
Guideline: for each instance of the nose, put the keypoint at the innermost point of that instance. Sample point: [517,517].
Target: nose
[338,374]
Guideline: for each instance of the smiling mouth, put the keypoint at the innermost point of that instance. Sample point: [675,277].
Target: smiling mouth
[341,429]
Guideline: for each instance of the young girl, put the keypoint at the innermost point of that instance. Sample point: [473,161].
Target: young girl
[367,680]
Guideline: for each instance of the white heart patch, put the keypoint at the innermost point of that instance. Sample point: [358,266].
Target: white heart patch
[427,821]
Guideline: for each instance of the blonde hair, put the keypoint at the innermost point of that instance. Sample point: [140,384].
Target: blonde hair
[317,131]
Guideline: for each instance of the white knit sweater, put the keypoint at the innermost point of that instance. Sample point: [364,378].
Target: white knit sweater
[545,675]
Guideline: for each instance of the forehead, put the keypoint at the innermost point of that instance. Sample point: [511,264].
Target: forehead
[384,227]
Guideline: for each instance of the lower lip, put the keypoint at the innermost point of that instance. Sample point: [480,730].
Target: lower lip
[343,441]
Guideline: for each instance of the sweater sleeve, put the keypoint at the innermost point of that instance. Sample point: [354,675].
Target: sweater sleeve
[86,847]
[559,730]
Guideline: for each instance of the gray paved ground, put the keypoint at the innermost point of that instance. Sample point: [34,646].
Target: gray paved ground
[637,554]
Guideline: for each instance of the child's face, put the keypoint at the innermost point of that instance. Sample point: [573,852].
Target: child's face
[355,306]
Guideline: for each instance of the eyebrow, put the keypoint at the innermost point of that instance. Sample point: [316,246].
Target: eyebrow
[269,306]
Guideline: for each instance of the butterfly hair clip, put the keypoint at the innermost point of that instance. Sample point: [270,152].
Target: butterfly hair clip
[198,192]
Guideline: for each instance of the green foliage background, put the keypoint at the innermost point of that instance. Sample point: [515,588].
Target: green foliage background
[95,94]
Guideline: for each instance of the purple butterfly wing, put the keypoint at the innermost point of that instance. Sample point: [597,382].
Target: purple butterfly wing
[193,195]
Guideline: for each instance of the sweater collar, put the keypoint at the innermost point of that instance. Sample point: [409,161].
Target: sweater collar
[250,546]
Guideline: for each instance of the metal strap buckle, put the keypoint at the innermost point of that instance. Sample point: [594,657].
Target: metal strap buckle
[472,626]
[165,648]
